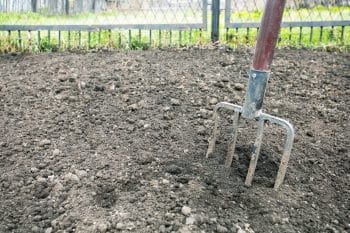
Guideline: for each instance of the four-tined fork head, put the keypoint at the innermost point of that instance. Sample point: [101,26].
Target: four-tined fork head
[262,118]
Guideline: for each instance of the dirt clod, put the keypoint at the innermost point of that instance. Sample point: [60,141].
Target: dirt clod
[44,142]
[238,86]
[186,210]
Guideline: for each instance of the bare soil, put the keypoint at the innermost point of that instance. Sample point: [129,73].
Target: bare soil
[116,142]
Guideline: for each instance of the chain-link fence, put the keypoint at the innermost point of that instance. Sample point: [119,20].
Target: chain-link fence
[61,24]
[315,22]
[110,14]
[242,13]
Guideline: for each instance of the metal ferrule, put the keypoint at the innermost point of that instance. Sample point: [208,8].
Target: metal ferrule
[254,97]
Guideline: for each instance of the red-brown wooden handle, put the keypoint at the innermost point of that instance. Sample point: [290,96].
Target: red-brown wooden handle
[268,34]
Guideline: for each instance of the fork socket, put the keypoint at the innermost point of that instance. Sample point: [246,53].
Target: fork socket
[254,97]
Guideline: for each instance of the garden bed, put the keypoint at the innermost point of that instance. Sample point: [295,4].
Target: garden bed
[116,142]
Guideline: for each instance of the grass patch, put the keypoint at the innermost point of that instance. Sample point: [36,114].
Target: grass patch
[52,41]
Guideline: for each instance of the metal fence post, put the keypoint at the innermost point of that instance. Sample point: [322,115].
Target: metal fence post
[67,7]
[215,21]
[34,5]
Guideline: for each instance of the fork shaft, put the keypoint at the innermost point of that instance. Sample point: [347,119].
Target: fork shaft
[268,34]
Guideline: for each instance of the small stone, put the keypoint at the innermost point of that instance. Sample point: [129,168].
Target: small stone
[213,220]
[213,101]
[146,126]
[221,229]
[130,128]
[99,88]
[55,152]
[101,227]
[80,173]
[219,84]
[190,220]
[240,230]
[234,228]
[72,98]
[44,142]
[238,86]
[247,228]
[81,85]
[275,110]
[173,169]
[48,230]
[72,79]
[125,98]
[166,108]
[225,79]
[56,190]
[165,181]
[120,226]
[130,120]
[186,210]
[142,104]
[37,218]
[36,229]
[237,99]
[203,113]
[34,170]
[41,179]
[69,177]
[62,96]
[162,229]
[51,178]
[133,107]
[201,130]
[42,165]
[174,102]
[63,78]
[99,174]
[184,230]
[309,134]
[112,87]
[285,220]
[201,219]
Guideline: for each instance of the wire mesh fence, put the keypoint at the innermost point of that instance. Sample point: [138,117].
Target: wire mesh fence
[103,23]
[297,13]
[162,14]
[305,22]
[37,25]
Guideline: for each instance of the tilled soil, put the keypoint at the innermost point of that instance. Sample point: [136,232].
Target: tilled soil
[116,142]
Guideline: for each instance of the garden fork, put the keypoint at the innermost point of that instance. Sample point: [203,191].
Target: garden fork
[252,107]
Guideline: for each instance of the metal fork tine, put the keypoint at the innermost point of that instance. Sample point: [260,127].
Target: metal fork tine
[255,153]
[213,137]
[286,154]
[232,142]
